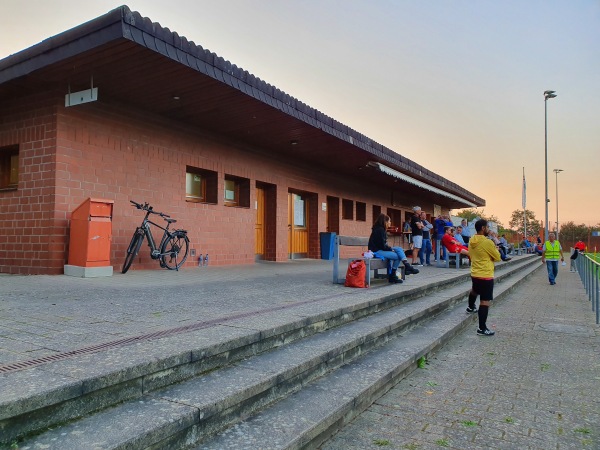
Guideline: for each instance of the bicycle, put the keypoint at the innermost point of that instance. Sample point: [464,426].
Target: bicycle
[173,246]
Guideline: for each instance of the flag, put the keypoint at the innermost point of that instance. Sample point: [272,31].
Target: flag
[524,190]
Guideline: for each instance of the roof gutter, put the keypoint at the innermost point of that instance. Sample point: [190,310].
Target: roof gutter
[394,173]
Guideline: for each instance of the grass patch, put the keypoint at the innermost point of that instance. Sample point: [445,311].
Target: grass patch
[582,430]
[410,446]
[381,442]
[544,367]
[443,442]
[421,362]
[509,420]
[469,423]
[431,383]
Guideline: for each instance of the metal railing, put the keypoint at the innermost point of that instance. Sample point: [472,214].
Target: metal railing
[589,271]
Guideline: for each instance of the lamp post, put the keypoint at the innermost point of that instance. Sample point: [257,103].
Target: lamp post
[547,95]
[557,171]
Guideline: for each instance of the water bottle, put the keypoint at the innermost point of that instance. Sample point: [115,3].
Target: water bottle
[200,260]
[206,260]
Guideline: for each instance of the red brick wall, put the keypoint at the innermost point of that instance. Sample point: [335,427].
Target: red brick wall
[32,239]
[108,151]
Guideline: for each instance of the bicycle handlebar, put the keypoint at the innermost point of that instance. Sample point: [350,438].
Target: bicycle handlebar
[147,207]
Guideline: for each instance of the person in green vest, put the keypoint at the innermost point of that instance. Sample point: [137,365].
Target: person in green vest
[551,253]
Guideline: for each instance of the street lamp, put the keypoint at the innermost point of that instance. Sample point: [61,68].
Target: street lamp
[557,171]
[547,95]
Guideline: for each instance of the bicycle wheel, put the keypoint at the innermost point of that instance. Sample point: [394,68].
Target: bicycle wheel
[132,250]
[175,250]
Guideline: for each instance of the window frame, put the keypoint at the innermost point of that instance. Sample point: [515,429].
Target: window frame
[208,187]
[9,167]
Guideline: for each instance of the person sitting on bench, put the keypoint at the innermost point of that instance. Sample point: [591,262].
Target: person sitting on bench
[451,244]
[378,245]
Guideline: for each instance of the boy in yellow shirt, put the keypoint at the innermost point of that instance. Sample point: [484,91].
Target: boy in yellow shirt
[483,254]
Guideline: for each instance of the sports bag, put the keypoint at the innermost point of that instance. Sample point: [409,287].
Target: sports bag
[356,273]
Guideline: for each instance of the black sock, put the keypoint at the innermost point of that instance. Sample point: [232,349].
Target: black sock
[472,298]
[482,313]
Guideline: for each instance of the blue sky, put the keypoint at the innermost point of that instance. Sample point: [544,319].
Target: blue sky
[457,86]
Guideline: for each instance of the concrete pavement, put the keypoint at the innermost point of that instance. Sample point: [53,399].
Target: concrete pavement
[535,385]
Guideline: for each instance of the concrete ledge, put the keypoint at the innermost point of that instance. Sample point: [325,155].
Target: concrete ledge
[88,272]
[159,363]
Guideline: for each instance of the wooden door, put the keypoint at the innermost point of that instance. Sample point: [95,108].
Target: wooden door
[260,229]
[297,226]
[333,214]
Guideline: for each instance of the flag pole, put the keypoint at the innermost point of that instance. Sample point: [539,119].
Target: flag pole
[524,207]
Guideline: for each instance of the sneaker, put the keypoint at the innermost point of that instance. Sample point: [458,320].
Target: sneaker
[471,310]
[486,332]
[418,265]
[395,280]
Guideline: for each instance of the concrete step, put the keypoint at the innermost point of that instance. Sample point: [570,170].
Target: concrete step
[307,418]
[50,396]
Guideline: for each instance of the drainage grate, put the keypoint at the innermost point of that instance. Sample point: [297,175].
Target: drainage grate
[21,365]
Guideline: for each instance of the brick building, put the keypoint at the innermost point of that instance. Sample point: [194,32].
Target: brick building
[121,108]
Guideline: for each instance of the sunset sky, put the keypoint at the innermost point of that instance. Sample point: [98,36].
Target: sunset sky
[456,86]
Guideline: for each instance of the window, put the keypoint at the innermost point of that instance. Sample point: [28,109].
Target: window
[9,167]
[376,212]
[396,216]
[236,191]
[200,185]
[361,211]
[347,209]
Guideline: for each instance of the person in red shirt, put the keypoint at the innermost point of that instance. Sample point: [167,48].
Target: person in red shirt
[579,248]
[451,244]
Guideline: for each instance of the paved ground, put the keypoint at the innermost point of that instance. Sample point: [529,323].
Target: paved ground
[535,385]
[44,316]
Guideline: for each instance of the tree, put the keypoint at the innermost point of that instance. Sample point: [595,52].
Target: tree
[472,213]
[568,231]
[469,214]
[517,224]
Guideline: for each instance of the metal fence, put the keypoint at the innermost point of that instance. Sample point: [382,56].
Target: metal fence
[589,271]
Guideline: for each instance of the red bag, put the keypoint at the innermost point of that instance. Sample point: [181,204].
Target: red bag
[356,273]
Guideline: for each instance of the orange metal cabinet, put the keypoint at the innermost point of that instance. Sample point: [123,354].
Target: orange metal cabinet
[91,233]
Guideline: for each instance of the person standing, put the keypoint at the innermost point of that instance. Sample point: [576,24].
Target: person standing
[578,248]
[465,232]
[425,253]
[551,253]
[440,225]
[416,226]
[483,254]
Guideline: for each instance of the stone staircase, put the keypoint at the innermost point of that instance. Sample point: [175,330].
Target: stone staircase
[290,380]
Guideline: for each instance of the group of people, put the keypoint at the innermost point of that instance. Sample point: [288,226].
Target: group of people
[483,249]
[423,234]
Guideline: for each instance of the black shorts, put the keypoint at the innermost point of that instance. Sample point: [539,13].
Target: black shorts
[483,288]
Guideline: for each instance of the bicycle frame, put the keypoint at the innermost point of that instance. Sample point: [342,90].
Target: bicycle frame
[145,228]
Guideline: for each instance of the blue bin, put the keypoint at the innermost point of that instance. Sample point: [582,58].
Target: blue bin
[327,245]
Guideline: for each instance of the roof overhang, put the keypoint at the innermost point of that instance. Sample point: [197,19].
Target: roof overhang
[401,176]
[136,63]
